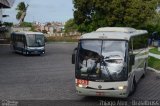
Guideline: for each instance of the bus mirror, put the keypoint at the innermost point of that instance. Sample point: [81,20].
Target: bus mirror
[132,59]
[45,39]
[74,56]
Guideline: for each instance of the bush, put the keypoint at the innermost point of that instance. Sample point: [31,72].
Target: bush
[62,38]
[8,24]
[26,24]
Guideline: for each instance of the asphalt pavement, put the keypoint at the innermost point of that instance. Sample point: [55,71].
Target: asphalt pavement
[42,79]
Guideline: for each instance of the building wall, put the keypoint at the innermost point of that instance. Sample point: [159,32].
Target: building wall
[11,2]
[19,29]
[5,4]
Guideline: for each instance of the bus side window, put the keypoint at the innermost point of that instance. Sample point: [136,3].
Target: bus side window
[24,40]
[130,46]
[140,42]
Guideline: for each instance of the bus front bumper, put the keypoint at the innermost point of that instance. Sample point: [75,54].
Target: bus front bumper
[38,50]
[103,93]
[35,51]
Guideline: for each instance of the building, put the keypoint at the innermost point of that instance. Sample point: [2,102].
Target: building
[3,5]
[49,27]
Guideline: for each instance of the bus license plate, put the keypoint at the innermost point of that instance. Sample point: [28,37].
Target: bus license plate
[35,52]
[100,93]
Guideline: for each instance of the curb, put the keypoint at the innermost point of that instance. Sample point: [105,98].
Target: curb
[152,69]
[154,55]
[61,42]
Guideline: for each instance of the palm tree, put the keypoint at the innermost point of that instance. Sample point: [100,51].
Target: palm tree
[22,11]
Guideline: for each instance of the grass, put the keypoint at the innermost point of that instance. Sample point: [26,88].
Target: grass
[154,63]
[154,51]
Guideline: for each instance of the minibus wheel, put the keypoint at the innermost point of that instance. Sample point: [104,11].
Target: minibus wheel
[24,53]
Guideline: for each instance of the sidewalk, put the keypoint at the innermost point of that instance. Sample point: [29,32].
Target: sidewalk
[154,55]
[157,71]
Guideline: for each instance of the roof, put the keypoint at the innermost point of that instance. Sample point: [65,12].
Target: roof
[27,33]
[122,33]
[6,3]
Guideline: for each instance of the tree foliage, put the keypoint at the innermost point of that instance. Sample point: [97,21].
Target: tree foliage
[154,24]
[92,14]
[21,14]
[10,24]
[70,26]
[26,24]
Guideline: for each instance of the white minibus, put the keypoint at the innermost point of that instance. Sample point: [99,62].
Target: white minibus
[28,42]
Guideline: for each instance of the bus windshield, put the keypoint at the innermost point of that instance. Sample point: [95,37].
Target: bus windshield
[35,40]
[102,60]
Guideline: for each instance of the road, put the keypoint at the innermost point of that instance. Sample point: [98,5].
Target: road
[51,77]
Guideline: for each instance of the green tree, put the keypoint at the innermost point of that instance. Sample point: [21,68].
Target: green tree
[22,11]
[26,24]
[10,24]
[153,24]
[92,14]
[70,26]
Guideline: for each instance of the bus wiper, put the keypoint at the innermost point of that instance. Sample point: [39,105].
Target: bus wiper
[105,64]
[38,42]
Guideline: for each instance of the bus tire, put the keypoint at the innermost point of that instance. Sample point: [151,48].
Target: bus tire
[24,53]
[134,86]
[145,68]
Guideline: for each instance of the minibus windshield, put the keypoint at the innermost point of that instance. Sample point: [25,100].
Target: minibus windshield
[35,40]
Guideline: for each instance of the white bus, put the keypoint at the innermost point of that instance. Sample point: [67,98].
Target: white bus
[28,42]
[110,61]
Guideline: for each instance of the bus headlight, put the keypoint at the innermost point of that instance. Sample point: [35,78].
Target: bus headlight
[122,87]
[82,85]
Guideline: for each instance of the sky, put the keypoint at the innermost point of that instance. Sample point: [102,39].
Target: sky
[42,11]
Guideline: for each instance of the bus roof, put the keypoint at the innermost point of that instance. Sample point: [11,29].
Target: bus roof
[27,33]
[121,33]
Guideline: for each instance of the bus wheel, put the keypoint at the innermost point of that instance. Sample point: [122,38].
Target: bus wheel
[134,86]
[42,54]
[145,68]
[133,89]
[21,51]
[24,53]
